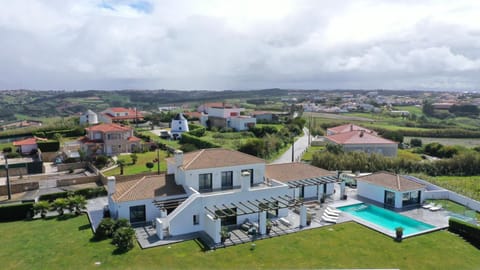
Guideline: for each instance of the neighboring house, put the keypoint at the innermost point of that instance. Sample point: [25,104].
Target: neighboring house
[179,125]
[109,139]
[227,117]
[357,138]
[347,128]
[203,108]
[210,188]
[89,118]
[390,189]
[263,116]
[26,146]
[21,124]
[119,114]
[442,106]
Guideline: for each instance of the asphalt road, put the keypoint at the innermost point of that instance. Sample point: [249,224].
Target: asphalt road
[301,144]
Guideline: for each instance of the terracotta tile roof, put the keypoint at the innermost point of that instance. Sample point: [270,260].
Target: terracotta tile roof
[391,181]
[133,139]
[108,128]
[131,113]
[294,171]
[215,158]
[147,187]
[193,114]
[358,137]
[348,128]
[28,141]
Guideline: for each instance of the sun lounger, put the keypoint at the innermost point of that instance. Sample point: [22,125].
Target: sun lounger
[331,209]
[435,208]
[330,213]
[329,219]
[428,205]
[285,222]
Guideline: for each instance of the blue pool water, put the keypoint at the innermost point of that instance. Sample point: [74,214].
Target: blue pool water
[386,219]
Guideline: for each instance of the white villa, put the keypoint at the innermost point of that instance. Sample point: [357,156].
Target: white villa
[390,189]
[210,188]
[226,116]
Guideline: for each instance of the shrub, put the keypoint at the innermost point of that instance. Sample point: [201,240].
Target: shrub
[13,155]
[416,142]
[149,165]
[123,238]
[88,193]
[105,228]
[49,146]
[7,149]
[16,211]
[466,230]
[198,142]
[198,132]
[120,223]
[134,158]
[101,161]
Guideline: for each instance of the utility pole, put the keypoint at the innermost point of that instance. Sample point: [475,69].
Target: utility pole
[293,149]
[158,159]
[8,179]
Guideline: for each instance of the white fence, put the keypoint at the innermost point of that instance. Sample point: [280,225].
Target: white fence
[439,193]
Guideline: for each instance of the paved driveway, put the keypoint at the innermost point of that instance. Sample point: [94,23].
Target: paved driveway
[301,144]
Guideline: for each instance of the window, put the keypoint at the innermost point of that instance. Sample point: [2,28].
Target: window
[196,219]
[137,213]
[205,181]
[227,180]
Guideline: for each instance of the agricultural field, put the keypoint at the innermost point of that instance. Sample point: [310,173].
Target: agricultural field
[467,142]
[466,185]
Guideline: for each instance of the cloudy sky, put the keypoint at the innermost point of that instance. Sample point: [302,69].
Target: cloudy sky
[244,44]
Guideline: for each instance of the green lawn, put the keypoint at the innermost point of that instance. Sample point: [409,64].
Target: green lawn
[465,185]
[140,166]
[52,244]
[308,155]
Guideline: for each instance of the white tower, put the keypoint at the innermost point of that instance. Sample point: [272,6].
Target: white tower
[178,126]
[89,118]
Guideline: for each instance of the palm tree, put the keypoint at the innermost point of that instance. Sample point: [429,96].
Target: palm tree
[41,208]
[80,204]
[121,164]
[59,205]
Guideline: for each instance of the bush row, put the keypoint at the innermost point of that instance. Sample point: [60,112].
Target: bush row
[466,230]
[16,211]
[198,142]
[88,193]
[78,131]
[49,146]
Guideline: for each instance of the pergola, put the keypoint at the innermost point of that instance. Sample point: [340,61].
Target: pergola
[313,181]
[252,206]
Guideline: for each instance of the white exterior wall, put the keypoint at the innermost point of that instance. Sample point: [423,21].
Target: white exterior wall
[178,127]
[90,118]
[370,191]
[151,211]
[182,222]
[28,148]
[191,176]
[389,150]
[223,112]
[241,123]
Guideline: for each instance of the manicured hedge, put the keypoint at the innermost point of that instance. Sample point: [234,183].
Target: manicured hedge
[468,231]
[78,131]
[88,193]
[49,146]
[198,142]
[16,211]
[197,131]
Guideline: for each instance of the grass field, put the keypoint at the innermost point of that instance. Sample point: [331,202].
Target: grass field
[308,155]
[466,185]
[467,142]
[66,244]
[139,167]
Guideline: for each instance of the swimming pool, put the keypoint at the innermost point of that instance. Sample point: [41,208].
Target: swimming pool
[386,219]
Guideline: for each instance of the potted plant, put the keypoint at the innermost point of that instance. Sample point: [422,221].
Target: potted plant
[399,234]
[269,226]
[224,234]
[323,198]
[309,219]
